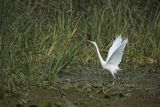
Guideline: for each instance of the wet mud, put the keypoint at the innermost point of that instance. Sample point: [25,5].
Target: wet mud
[87,86]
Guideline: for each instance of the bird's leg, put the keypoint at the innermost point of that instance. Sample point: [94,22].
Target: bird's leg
[114,78]
[114,82]
[103,90]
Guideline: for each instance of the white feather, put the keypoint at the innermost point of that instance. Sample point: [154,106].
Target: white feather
[116,43]
[116,56]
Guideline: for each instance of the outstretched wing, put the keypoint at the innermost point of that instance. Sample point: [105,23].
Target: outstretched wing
[116,44]
[117,54]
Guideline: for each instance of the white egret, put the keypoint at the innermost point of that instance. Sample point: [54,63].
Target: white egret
[114,55]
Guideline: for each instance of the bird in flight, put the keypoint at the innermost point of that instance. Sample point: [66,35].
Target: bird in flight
[114,54]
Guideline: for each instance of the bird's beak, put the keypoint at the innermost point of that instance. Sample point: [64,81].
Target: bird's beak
[92,42]
[89,41]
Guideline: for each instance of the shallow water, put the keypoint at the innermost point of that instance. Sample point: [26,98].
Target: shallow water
[86,86]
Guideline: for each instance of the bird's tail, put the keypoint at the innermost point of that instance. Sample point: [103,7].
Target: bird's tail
[120,69]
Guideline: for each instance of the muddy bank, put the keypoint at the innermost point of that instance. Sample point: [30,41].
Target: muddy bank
[87,86]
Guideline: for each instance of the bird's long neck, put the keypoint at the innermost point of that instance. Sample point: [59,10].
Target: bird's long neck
[99,55]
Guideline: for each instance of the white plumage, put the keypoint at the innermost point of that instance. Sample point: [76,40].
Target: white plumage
[114,55]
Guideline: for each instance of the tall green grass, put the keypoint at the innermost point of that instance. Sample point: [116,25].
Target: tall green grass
[127,19]
[41,38]
[35,50]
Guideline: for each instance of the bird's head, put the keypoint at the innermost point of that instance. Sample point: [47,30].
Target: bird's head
[93,42]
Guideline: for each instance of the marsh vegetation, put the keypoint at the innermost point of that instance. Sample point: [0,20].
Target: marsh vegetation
[45,57]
